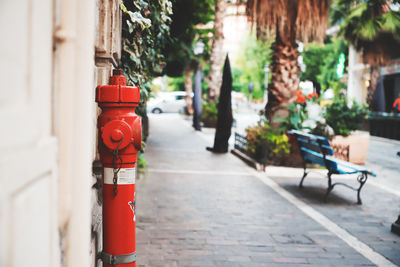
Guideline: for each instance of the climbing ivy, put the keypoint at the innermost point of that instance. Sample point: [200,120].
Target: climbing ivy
[145,31]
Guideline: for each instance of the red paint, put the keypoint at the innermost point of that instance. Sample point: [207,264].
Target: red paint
[118,224]
[118,126]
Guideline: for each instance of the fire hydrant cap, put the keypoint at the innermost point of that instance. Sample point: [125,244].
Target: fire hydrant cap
[116,135]
[118,91]
[117,94]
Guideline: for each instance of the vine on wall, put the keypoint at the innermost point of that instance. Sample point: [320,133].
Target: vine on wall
[145,31]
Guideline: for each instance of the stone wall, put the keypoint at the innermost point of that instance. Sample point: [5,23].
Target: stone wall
[107,56]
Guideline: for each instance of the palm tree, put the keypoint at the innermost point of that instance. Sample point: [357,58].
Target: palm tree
[188,88]
[287,21]
[372,27]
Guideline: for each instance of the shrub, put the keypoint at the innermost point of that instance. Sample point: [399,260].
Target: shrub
[266,143]
[141,162]
[209,112]
[344,118]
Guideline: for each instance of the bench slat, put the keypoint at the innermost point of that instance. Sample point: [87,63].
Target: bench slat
[315,146]
[346,166]
[318,158]
[313,142]
[309,136]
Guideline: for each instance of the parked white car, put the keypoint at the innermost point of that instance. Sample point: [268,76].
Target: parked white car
[167,102]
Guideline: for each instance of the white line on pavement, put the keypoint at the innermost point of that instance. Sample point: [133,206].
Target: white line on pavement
[200,172]
[351,240]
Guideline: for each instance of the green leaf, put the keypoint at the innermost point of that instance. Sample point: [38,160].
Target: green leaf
[136,17]
[130,26]
[357,11]
[123,7]
[391,22]
[369,30]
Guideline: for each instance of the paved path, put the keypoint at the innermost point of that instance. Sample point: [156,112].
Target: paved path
[195,208]
[382,159]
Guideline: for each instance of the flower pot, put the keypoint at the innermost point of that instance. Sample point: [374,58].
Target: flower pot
[357,143]
[294,158]
[262,153]
[294,148]
[209,123]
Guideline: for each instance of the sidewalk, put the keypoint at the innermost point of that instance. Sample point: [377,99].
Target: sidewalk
[196,208]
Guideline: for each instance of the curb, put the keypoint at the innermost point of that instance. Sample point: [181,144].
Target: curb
[249,161]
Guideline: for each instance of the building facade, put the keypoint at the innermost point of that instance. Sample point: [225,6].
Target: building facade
[53,54]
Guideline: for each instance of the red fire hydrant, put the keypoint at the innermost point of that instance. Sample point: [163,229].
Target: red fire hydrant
[120,140]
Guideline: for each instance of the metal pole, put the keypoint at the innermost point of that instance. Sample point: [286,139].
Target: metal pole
[197,103]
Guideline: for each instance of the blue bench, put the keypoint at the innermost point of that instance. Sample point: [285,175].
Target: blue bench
[316,149]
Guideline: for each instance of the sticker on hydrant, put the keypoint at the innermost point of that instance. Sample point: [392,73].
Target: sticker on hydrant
[125,176]
[132,206]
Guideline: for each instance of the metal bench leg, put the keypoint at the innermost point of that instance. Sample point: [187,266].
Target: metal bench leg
[362,178]
[330,187]
[304,175]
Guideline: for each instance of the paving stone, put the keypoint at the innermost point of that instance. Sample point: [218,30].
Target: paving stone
[292,239]
[264,258]
[290,260]
[185,263]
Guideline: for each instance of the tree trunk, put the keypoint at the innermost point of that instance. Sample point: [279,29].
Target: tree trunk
[284,81]
[188,89]
[375,74]
[214,79]
[284,68]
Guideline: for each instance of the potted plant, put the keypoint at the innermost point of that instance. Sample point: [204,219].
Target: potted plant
[345,119]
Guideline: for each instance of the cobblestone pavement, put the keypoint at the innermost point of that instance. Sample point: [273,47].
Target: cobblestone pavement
[195,208]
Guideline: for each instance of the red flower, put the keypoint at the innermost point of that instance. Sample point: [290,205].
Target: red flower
[301,99]
[311,95]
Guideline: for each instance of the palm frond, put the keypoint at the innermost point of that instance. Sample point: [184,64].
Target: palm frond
[312,20]
[369,30]
[371,26]
[390,21]
[357,11]
[290,19]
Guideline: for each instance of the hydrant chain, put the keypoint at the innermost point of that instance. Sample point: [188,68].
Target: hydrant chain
[115,168]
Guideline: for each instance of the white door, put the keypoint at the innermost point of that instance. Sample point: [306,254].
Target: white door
[28,195]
